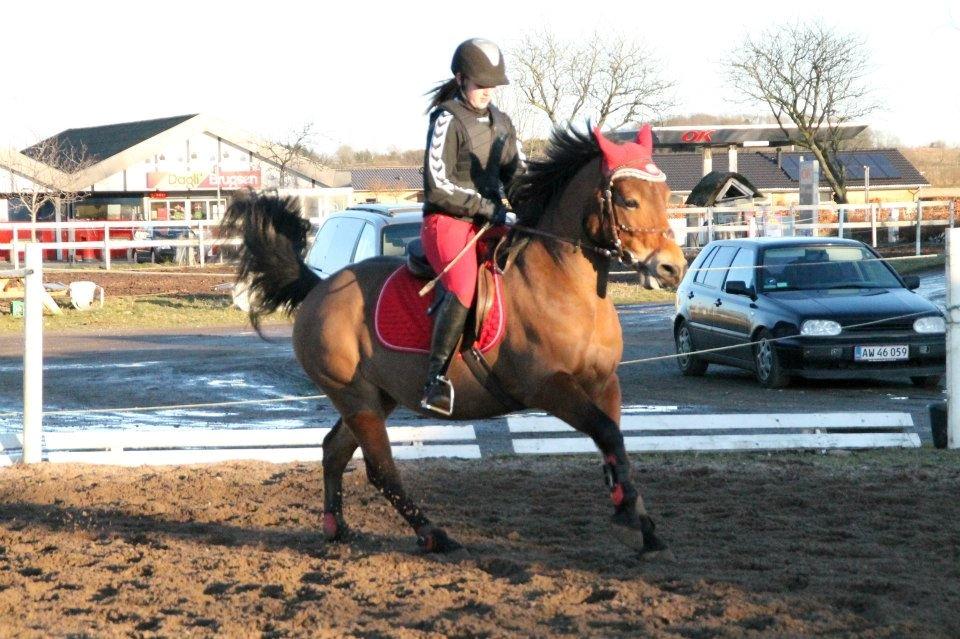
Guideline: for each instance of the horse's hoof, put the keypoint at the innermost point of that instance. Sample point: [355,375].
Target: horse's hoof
[334,528]
[436,540]
[628,535]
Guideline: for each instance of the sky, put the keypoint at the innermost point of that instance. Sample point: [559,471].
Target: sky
[358,70]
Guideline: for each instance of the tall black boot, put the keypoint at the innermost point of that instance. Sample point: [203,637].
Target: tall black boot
[448,321]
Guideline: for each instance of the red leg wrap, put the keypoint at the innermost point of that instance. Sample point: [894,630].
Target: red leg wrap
[616,495]
[330,526]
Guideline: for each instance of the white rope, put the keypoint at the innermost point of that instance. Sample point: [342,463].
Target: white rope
[133,409]
[754,343]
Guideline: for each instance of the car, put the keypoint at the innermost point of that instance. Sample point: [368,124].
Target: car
[805,306]
[162,252]
[362,231]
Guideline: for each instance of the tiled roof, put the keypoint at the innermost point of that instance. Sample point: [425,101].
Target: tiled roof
[402,178]
[684,170]
[102,142]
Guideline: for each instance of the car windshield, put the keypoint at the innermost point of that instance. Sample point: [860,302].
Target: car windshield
[397,236]
[790,268]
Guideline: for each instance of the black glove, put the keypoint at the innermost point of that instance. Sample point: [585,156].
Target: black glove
[493,212]
[499,217]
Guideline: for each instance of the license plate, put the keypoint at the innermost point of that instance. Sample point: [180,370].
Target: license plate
[887,353]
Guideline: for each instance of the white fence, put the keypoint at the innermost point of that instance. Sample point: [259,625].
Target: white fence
[693,227]
[696,226]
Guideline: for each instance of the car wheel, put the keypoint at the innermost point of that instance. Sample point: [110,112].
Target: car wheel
[927,381]
[766,362]
[690,365]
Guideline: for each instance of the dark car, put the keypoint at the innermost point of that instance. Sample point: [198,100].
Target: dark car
[161,252]
[812,307]
[362,231]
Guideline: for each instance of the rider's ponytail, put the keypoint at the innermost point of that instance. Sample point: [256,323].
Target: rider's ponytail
[442,92]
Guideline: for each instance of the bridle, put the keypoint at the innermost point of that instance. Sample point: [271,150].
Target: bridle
[610,247]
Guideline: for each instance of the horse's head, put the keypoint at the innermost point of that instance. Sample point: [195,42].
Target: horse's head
[633,211]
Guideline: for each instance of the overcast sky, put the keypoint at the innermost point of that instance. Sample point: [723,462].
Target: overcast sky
[358,70]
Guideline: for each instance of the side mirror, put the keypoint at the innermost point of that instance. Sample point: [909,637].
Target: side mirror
[912,282]
[739,287]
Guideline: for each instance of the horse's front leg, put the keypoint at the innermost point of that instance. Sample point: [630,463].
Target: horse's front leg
[598,417]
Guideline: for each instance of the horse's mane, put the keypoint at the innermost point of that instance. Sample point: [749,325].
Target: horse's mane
[567,153]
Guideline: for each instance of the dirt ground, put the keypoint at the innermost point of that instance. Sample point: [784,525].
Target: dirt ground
[793,545]
[161,280]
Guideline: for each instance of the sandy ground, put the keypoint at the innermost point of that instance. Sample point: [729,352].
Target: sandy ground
[791,545]
[161,280]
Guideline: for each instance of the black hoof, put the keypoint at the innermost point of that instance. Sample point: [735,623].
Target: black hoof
[436,540]
[637,532]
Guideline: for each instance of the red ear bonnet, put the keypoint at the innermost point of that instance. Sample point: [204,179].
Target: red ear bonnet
[630,158]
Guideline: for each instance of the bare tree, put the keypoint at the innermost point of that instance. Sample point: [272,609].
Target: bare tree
[45,174]
[294,150]
[612,79]
[812,77]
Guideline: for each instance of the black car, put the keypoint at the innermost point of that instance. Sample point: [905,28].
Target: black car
[813,307]
[161,252]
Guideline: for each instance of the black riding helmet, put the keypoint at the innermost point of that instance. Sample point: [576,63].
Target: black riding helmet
[481,61]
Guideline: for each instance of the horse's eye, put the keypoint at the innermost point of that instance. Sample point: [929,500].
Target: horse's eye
[630,204]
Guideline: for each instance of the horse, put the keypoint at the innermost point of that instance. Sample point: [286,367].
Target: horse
[562,344]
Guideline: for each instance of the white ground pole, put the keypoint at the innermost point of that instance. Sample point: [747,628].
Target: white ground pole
[953,338]
[33,356]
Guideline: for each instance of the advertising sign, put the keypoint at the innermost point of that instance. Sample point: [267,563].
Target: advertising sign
[187,181]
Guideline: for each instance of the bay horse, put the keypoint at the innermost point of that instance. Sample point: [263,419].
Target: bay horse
[562,344]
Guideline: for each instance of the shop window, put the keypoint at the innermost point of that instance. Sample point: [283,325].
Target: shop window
[198,210]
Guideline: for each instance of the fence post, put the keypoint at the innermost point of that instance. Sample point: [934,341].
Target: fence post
[840,213]
[709,224]
[203,249]
[33,357]
[873,225]
[953,210]
[15,251]
[106,246]
[953,338]
[919,227]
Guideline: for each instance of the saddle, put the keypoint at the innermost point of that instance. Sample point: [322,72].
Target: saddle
[420,268]
[402,318]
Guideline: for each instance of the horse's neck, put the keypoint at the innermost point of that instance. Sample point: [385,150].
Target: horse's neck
[562,271]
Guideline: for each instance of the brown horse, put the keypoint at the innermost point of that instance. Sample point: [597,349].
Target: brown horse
[562,345]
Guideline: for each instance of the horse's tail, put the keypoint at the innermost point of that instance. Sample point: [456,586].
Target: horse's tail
[271,261]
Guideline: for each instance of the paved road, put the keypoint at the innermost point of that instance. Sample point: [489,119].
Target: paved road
[132,370]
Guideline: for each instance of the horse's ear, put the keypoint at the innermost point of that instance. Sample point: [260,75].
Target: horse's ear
[645,138]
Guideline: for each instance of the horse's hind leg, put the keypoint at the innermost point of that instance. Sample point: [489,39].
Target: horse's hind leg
[370,430]
[338,448]
[562,396]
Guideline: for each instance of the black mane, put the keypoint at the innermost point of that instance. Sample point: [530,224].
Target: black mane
[568,152]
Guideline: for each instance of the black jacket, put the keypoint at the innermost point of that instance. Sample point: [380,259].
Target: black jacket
[458,178]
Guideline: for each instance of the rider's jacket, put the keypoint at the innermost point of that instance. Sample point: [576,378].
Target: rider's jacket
[457,177]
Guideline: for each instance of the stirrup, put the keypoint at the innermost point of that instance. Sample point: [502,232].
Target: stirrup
[428,392]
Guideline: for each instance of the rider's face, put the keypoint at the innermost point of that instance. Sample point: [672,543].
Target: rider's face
[477,96]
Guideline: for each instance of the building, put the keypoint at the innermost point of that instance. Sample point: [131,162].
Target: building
[178,168]
[388,185]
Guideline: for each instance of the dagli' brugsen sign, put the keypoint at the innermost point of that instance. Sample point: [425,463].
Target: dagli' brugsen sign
[173,181]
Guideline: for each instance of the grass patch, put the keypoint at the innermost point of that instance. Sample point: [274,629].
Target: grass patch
[146,312]
[630,293]
[919,264]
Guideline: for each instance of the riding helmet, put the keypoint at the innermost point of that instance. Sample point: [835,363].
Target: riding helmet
[481,61]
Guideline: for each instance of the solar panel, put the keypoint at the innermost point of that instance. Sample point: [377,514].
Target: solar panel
[853,163]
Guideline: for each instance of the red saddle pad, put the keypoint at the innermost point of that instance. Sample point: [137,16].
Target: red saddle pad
[401,316]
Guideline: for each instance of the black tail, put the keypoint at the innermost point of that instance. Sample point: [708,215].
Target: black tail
[271,257]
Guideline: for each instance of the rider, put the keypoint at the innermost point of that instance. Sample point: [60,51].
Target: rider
[472,155]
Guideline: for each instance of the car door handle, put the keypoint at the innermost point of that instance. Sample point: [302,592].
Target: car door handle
[718,302]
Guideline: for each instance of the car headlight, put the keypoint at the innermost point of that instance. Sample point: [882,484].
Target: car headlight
[930,325]
[819,328]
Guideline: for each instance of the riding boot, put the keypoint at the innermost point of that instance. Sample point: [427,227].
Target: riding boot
[448,322]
